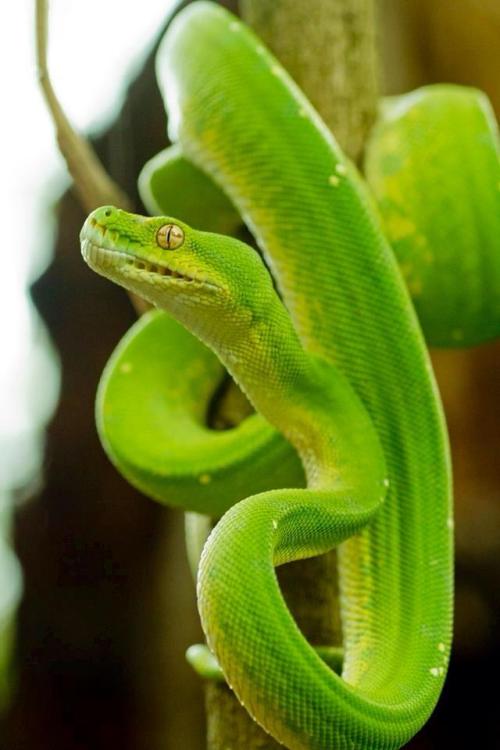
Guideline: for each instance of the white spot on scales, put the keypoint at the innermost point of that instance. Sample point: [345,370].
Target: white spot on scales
[437,671]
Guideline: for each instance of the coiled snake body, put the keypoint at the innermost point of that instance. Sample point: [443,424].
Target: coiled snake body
[336,366]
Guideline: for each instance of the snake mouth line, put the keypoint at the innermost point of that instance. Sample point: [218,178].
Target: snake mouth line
[103,259]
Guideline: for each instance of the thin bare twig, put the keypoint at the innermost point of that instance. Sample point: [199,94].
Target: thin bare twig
[92,183]
[94,186]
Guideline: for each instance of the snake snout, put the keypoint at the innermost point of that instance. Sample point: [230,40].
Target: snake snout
[100,220]
[103,214]
[102,227]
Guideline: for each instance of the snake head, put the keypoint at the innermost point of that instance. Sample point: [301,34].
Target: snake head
[152,257]
[176,267]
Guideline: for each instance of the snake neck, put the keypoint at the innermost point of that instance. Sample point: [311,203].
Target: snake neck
[306,398]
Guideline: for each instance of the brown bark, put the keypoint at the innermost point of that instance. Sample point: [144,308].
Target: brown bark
[329,49]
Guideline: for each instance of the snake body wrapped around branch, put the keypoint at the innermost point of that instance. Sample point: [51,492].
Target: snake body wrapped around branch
[348,445]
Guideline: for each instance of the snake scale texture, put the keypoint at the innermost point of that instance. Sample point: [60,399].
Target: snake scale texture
[347,445]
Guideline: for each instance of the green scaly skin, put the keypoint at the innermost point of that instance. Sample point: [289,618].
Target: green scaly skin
[444,226]
[170,183]
[237,117]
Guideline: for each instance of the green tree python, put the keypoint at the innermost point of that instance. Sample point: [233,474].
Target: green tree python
[347,445]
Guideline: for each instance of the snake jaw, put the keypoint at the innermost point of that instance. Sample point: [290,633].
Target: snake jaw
[103,259]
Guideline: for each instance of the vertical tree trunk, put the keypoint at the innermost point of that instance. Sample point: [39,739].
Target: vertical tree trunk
[329,49]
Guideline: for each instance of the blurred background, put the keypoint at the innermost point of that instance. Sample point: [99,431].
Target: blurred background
[108,604]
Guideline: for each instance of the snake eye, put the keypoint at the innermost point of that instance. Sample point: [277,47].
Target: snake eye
[170,236]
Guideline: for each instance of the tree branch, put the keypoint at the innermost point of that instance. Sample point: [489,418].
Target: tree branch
[329,49]
[93,184]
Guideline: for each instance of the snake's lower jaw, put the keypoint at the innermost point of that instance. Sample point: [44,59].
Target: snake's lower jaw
[109,263]
[136,273]
[98,258]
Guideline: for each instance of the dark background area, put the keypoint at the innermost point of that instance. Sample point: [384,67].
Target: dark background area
[109,604]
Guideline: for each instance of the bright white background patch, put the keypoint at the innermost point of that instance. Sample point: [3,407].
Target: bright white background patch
[95,46]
